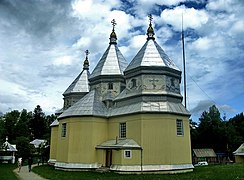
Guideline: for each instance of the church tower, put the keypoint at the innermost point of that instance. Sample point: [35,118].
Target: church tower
[151,111]
[108,76]
[79,87]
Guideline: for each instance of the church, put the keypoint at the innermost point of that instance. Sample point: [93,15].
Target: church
[124,117]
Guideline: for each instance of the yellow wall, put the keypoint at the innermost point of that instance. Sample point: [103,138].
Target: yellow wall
[239,159]
[83,135]
[160,143]
[133,129]
[62,144]
[53,142]
[156,133]
[135,159]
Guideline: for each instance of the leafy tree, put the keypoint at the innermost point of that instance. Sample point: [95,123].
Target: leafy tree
[10,121]
[235,132]
[24,147]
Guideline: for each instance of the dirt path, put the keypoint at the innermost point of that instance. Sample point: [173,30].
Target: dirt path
[24,174]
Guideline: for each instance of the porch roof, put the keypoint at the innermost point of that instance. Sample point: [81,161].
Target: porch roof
[119,144]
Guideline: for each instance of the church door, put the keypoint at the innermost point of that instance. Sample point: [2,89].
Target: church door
[108,157]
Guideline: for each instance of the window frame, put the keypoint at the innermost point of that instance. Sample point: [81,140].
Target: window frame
[63,130]
[179,127]
[122,130]
[126,155]
[110,86]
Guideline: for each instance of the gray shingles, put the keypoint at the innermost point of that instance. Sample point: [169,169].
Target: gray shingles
[151,54]
[111,63]
[80,84]
[88,105]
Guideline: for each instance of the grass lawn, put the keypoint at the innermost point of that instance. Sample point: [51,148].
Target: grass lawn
[228,172]
[6,171]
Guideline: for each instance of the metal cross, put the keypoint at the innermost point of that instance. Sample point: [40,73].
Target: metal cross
[87,53]
[150,18]
[113,23]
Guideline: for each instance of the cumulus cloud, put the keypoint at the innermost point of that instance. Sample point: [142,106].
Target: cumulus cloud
[192,18]
[42,45]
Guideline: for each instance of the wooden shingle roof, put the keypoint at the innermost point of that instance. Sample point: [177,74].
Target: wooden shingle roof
[204,152]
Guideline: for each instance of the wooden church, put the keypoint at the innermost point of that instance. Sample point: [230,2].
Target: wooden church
[128,118]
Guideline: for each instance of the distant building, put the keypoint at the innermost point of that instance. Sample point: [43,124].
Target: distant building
[131,119]
[239,154]
[207,155]
[38,142]
[7,152]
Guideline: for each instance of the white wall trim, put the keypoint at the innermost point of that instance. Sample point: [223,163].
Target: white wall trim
[152,167]
[63,165]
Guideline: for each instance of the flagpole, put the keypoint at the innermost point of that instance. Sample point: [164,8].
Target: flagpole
[184,61]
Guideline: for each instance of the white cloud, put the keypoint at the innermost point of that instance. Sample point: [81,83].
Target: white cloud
[192,18]
[165,2]
[64,60]
[41,54]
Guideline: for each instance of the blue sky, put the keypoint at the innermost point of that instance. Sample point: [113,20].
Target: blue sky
[42,46]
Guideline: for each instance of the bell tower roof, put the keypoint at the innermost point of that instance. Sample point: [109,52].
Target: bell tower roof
[151,54]
[112,61]
[80,84]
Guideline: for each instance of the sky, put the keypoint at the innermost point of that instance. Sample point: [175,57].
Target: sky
[43,43]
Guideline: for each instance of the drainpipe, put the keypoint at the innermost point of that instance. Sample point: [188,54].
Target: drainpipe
[141,161]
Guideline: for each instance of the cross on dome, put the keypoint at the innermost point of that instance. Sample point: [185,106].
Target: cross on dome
[87,53]
[113,23]
[150,31]
[86,62]
[150,18]
[113,36]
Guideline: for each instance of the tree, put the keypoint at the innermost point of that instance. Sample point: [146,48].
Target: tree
[24,147]
[2,134]
[211,130]
[235,132]
[22,126]
[38,124]
[49,120]
[10,120]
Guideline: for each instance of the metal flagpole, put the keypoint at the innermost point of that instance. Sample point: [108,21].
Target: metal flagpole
[184,62]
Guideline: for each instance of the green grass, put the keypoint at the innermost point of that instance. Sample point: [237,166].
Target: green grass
[6,171]
[216,172]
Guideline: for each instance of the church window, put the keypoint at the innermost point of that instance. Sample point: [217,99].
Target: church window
[127,154]
[63,132]
[110,85]
[179,127]
[133,81]
[122,130]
